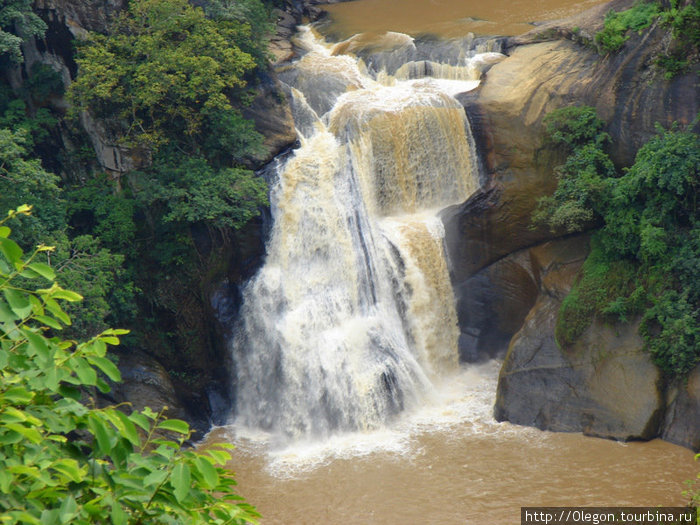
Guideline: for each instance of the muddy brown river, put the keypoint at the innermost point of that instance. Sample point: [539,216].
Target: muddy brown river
[450,463]
[449,18]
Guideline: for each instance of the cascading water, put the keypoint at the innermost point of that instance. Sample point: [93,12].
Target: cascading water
[352,314]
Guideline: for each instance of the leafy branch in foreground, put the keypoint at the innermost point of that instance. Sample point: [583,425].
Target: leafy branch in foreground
[63,459]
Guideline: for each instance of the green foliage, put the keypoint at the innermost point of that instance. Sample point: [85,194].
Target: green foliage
[17,23]
[583,178]
[164,74]
[24,180]
[575,126]
[255,22]
[683,22]
[63,460]
[96,207]
[82,262]
[193,191]
[43,81]
[606,288]
[619,24]
[645,260]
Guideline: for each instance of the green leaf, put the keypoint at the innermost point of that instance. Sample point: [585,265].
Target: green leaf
[48,321]
[220,456]
[5,480]
[106,366]
[18,302]
[68,509]
[25,518]
[69,468]
[18,395]
[175,425]
[155,478]
[50,517]
[57,311]
[4,231]
[128,429]
[181,481]
[9,248]
[6,314]
[12,415]
[11,437]
[29,274]
[209,475]
[115,331]
[99,430]
[37,343]
[102,385]
[30,433]
[68,295]
[117,514]
[43,269]
[141,420]
[83,370]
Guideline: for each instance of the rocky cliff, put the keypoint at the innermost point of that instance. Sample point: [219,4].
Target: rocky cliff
[607,384]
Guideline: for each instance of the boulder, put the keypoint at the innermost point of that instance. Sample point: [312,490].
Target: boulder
[605,385]
[272,116]
[682,422]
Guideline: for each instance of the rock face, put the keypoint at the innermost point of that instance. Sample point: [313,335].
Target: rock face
[683,412]
[537,78]
[504,274]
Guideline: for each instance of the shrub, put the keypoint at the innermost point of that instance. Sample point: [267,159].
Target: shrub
[619,24]
[645,260]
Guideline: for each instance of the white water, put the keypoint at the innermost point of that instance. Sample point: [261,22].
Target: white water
[351,319]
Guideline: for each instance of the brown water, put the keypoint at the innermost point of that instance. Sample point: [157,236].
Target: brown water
[450,18]
[451,463]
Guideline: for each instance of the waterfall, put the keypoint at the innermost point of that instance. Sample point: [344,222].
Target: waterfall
[352,315]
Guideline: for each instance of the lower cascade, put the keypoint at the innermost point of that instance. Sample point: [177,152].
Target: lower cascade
[352,315]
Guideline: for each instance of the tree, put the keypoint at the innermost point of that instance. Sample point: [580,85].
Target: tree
[17,23]
[166,74]
[63,459]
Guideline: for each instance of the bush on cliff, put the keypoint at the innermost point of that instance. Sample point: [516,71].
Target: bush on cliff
[645,259]
[681,18]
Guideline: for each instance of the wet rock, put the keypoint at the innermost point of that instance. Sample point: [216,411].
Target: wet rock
[272,115]
[682,421]
[492,305]
[145,383]
[606,385]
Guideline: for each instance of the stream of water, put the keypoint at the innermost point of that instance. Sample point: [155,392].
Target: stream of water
[351,406]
